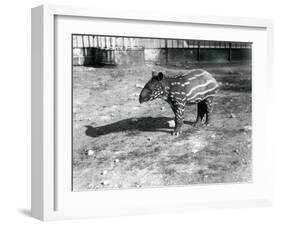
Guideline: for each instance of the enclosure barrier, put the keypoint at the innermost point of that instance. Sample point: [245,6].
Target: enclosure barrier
[91,50]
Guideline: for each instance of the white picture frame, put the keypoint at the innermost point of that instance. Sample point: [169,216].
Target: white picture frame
[47,158]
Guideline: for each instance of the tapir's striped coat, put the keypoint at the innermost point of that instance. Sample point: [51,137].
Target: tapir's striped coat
[193,87]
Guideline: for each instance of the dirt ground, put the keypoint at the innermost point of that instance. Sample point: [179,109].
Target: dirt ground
[119,143]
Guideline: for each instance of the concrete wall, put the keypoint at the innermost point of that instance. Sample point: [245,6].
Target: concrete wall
[214,55]
[152,55]
[241,54]
[129,56]
[171,56]
[180,56]
[185,56]
[94,56]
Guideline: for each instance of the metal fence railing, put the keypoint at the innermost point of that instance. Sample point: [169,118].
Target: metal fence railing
[112,42]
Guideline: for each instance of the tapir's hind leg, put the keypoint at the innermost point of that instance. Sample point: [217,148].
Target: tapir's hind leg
[209,109]
[201,110]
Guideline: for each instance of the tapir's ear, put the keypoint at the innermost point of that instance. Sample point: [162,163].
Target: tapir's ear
[160,76]
[154,73]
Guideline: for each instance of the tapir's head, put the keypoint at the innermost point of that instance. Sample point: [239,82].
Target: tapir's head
[153,88]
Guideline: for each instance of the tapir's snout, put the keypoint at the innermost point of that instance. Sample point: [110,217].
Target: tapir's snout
[144,95]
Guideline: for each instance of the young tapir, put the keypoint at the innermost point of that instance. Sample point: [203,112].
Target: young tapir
[193,87]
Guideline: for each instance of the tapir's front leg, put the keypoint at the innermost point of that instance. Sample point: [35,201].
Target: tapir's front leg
[178,109]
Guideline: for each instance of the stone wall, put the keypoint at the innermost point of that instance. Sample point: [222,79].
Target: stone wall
[170,56]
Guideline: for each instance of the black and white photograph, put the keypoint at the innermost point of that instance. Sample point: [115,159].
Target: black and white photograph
[159,112]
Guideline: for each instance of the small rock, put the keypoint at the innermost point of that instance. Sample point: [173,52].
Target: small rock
[220,83]
[104,183]
[149,138]
[134,119]
[247,128]
[213,136]
[111,114]
[162,108]
[232,115]
[135,94]
[194,151]
[139,86]
[157,149]
[90,152]
[180,143]
[116,160]
[105,118]
[104,172]
[171,123]
[236,151]
[90,186]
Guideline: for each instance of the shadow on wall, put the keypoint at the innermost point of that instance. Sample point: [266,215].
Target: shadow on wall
[134,125]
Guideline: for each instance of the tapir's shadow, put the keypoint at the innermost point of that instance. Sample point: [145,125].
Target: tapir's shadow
[145,124]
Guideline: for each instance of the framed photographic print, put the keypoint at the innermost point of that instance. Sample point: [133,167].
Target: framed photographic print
[136,112]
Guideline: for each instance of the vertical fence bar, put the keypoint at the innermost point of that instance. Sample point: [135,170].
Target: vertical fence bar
[166,51]
[105,42]
[83,50]
[97,49]
[198,51]
[98,41]
[77,44]
[89,41]
[123,43]
[230,52]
